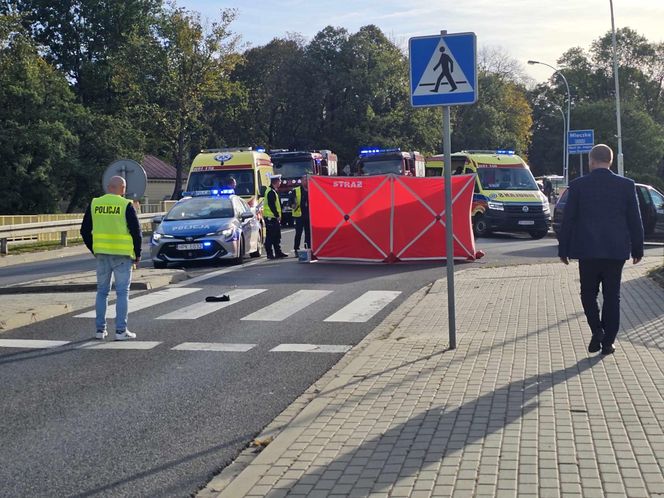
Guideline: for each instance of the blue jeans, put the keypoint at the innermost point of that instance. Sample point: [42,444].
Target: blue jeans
[120,267]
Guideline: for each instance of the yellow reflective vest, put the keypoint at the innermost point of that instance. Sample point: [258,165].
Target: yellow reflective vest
[267,212]
[110,234]
[297,209]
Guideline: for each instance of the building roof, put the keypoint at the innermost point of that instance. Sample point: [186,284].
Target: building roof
[156,169]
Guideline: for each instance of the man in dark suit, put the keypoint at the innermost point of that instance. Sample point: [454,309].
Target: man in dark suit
[601,228]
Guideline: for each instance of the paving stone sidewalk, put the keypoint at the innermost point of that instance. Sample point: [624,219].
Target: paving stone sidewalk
[518,409]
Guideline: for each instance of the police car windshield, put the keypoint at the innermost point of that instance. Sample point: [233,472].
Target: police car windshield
[293,169]
[381,167]
[199,208]
[208,180]
[506,179]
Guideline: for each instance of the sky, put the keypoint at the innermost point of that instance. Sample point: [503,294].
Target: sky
[525,29]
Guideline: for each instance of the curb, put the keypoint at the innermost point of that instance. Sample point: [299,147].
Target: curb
[59,288]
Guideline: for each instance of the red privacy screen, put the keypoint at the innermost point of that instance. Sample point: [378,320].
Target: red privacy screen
[388,218]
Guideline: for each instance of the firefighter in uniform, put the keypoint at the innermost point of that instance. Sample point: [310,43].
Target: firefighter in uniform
[112,232]
[299,201]
[272,215]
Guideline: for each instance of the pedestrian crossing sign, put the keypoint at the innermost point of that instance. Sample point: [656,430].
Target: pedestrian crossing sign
[443,69]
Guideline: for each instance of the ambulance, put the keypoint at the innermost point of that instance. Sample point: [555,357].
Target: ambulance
[506,196]
[243,168]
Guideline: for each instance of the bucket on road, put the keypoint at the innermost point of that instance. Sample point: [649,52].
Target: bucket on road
[304,256]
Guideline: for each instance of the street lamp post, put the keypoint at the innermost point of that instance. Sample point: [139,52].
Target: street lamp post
[564,131]
[621,169]
[569,100]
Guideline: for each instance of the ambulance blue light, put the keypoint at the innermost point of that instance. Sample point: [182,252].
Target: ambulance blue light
[505,152]
[209,193]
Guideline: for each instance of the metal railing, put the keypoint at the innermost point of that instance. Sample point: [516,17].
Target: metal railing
[17,232]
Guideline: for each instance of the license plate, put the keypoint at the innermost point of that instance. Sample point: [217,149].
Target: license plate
[526,222]
[189,247]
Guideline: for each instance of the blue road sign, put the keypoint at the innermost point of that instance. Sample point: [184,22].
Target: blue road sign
[580,141]
[443,69]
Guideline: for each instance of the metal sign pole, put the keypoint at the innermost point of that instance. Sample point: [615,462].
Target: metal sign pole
[449,248]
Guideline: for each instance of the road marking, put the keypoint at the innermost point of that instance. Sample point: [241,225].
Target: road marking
[146,301]
[30,343]
[140,345]
[213,346]
[287,306]
[311,348]
[364,307]
[216,273]
[200,309]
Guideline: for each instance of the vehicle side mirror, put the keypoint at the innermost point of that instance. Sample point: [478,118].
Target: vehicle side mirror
[247,215]
[157,219]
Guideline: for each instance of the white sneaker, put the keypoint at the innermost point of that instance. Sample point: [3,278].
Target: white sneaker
[124,336]
[101,334]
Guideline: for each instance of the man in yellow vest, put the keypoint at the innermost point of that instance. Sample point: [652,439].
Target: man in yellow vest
[272,215]
[299,201]
[112,232]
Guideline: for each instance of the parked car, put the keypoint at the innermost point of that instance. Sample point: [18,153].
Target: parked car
[207,227]
[651,205]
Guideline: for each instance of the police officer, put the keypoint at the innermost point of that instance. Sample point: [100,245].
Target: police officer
[299,201]
[272,215]
[112,232]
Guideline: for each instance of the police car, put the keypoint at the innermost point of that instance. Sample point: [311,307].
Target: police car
[207,225]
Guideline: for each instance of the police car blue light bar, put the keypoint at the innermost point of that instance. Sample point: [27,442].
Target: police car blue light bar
[209,193]
[505,152]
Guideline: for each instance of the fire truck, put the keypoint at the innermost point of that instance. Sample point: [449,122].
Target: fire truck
[377,161]
[293,165]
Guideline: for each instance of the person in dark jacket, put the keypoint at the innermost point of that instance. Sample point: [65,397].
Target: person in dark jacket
[299,202]
[272,216]
[601,228]
[112,233]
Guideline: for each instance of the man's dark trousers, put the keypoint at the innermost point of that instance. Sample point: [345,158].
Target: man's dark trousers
[607,272]
[272,237]
[302,224]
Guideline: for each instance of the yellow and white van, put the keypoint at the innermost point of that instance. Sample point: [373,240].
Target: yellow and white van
[217,168]
[506,196]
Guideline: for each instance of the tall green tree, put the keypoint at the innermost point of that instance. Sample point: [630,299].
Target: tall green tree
[35,140]
[166,80]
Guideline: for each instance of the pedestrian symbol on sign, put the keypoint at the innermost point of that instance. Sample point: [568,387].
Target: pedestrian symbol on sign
[447,68]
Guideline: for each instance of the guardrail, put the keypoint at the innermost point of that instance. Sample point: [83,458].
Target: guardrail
[9,232]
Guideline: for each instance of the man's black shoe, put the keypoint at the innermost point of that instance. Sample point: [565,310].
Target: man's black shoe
[608,350]
[281,255]
[269,256]
[595,343]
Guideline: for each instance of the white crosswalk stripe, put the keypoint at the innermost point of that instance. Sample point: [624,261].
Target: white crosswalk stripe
[364,307]
[200,309]
[138,345]
[288,306]
[30,343]
[311,348]
[147,300]
[214,346]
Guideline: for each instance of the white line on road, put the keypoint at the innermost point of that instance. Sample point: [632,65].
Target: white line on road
[287,306]
[139,345]
[364,307]
[30,343]
[311,348]
[146,301]
[213,346]
[200,309]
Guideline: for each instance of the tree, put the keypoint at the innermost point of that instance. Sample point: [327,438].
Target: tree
[35,140]
[166,80]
